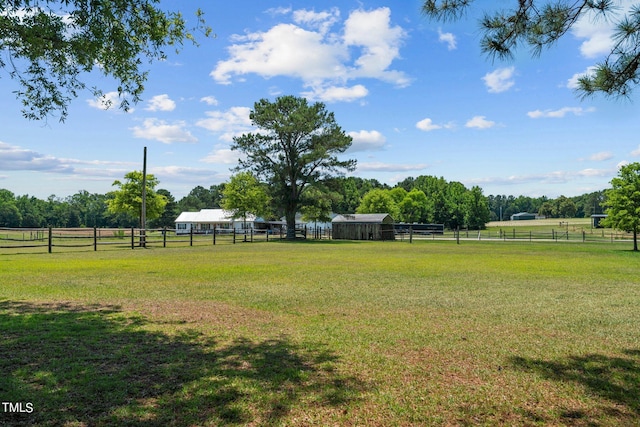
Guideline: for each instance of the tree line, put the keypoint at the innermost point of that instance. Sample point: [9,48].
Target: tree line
[424,199]
[583,206]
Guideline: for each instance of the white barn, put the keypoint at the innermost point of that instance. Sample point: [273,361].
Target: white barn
[205,221]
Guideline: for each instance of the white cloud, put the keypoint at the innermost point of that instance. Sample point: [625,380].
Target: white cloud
[189,175]
[576,111]
[480,122]
[598,43]
[15,158]
[286,50]
[322,21]
[223,155]
[427,125]
[448,38]
[209,100]
[162,131]
[590,172]
[365,140]
[275,11]
[621,164]
[602,156]
[598,34]
[380,44]
[334,93]
[553,177]
[161,103]
[500,80]
[106,101]
[572,83]
[364,47]
[233,122]
[389,167]
[599,31]
[636,152]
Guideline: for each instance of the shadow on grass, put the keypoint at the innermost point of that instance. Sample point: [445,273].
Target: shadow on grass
[311,241]
[94,365]
[614,379]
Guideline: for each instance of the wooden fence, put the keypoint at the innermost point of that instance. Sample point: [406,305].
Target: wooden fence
[65,239]
[13,240]
[560,235]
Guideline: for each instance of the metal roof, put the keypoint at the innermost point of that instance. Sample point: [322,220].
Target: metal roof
[523,214]
[209,216]
[376,218]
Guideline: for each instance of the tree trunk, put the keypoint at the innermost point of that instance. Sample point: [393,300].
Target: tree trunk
[290,216]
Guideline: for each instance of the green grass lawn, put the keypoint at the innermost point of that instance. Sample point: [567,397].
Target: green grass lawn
[323,333]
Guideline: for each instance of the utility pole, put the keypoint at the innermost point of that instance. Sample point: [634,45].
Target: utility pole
[143,211]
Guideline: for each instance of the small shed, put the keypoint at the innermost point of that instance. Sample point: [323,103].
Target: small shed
[363,227]
[522,216]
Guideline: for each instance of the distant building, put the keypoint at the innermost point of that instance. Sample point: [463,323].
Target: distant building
[523,216]
[363,227]
[203,222]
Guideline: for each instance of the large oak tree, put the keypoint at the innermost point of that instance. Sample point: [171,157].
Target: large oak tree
[297,145]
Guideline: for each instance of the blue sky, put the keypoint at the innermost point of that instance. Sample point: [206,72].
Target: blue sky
[417,96]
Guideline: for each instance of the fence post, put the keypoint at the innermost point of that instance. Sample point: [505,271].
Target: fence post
[214,234]
[50,240]
[164,237]
[410,234]
[143,237]
[191,236]
[234,235]
[95,239]
[251,234]
[133,236]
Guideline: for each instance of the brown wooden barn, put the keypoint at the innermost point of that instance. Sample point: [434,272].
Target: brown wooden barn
[363,227]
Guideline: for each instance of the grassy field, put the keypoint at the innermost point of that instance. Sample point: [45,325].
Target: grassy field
[323,333]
